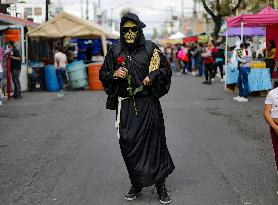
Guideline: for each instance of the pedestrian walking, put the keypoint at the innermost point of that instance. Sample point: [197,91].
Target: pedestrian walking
[179,55]
[244,56]
[271,117]
[209,59]
[60,62]
[15,69]
[219,60]
[185,60]
[191,49]
[198,59]
[135,74]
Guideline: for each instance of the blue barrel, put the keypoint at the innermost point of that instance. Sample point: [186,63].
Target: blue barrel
[77,74]
[51,82]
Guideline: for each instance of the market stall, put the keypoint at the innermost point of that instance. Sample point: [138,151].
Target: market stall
[68,26]
[14,29]
[201,38]
[259,77]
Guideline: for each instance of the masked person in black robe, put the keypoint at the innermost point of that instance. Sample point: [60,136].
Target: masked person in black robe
[135,74]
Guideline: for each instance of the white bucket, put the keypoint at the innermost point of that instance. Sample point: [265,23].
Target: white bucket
[23,78]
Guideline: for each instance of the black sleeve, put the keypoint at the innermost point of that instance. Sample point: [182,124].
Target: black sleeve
[106,74]
[161,78]
[16,53]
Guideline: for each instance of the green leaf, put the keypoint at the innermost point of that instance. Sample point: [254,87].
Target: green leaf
[137,90]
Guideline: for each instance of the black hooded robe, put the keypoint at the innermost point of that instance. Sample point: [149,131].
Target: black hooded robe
[142,136]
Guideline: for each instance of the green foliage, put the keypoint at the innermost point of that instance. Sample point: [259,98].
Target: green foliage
[219,9]
[255,6]
[155,33]
[133,91]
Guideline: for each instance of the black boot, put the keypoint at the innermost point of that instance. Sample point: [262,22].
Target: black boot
[133,193]
[163,193]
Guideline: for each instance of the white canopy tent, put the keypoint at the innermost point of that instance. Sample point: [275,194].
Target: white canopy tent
[177,35]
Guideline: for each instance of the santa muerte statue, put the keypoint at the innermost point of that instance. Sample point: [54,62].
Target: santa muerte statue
[135,74]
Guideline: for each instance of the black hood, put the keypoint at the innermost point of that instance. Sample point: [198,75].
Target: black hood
[140,24]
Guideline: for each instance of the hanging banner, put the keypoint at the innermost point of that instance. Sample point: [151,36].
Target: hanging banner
[12,35]
[203,38]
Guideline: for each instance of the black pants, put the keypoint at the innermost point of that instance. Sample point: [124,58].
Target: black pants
[219,65]
[17,86]
[270,63]
[209,71]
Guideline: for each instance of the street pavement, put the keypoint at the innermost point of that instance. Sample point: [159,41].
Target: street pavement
[65,151]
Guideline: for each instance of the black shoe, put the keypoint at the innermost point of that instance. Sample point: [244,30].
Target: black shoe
[18,97]
[133,193]
[205,82]
[163,195]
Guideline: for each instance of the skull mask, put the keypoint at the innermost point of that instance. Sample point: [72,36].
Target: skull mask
[130,31]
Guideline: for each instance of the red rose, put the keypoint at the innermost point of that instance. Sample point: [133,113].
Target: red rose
[120,60]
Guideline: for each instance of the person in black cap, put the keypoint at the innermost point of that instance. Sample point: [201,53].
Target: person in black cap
[135,74]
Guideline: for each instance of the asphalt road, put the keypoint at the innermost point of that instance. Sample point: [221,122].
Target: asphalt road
[65,150]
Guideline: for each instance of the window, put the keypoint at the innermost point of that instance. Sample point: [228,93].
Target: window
[37,11]
[28,11]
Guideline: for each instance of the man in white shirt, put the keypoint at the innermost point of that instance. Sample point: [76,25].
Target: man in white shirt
[244,57]
[60,62]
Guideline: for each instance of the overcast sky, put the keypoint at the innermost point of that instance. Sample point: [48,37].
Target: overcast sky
[151,12]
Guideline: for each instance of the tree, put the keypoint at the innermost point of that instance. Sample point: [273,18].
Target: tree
[256,5]
[155,33]
[218,10]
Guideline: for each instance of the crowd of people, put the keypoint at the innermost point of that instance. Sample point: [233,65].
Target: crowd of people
[198,59]
[208,59]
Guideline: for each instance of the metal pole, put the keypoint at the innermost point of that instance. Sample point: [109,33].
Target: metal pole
[22,44]
[182,16]
[46,9]
[194,17]
[27,53]
[87,9]
[226,57]
[8,64]
[82,13]
[95,11]
[241,31]
[112,20]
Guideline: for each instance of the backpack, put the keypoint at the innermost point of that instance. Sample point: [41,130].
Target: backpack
[185,58]
[180,54]
[112,101]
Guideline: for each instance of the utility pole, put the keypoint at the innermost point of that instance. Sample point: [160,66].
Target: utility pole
[95,12]
[47,2]
[87,9]
[81,3]
[194,17]
[182,16]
